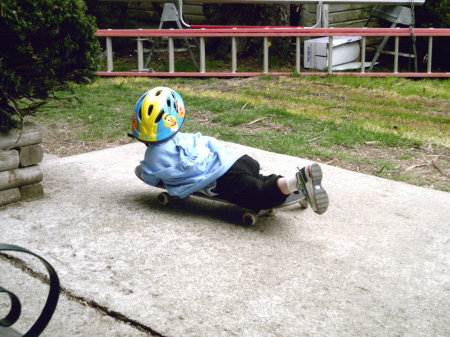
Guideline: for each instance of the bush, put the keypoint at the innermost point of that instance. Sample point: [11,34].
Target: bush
[436,14]
[112,15]
[50,43]
[108,14]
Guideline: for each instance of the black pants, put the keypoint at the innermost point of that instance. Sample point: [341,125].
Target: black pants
[243,185]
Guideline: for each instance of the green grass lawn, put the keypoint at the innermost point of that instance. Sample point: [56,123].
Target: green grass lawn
[391,127]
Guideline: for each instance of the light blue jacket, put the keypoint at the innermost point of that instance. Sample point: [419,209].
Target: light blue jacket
[186,163]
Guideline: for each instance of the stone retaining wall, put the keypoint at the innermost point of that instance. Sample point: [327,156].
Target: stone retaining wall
[20,173]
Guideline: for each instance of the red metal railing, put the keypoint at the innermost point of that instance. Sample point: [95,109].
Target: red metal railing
[266,33]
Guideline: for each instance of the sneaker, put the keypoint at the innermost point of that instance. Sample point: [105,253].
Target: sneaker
[138,172]
[308,182]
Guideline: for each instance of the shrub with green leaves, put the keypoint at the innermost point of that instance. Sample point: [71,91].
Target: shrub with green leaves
[435,13]
[44,45]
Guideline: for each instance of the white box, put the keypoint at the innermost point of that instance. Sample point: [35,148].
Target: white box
[345,49]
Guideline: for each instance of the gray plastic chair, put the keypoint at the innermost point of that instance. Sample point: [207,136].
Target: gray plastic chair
[397,15]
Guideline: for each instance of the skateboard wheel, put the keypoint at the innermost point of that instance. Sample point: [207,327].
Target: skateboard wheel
[249,219]
[163,198]
[272,212]
[303,203]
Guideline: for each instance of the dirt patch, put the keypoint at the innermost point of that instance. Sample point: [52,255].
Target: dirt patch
[59,140]
[265,123]
[259,124]
[427,166]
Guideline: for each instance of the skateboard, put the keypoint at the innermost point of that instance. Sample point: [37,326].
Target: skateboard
[249,217]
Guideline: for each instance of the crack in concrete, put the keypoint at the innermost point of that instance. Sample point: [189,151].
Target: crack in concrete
[22,265]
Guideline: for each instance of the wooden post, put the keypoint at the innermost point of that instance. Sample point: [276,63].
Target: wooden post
[109,54]
[18,177]
[30,134]
[330,54]
[325,16]
[233,54]
[9,196]
[363,54]
[31,192]
[430,54]
[9,160]
[202,55]
[171,55]
[396,54]
[140,53]
[30,155]
[266,55]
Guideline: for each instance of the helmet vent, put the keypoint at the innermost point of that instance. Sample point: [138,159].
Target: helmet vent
[158,93]
[150,109]
[168,103]
[158,118]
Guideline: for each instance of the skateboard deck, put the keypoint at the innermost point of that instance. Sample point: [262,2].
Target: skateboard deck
[249,217]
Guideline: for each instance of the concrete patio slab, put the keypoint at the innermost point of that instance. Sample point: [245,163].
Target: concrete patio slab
[72,318]
[375,264]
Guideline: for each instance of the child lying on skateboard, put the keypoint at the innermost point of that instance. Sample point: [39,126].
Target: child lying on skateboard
[186,163]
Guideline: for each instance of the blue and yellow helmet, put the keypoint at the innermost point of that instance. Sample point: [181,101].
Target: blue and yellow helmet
[158,115]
